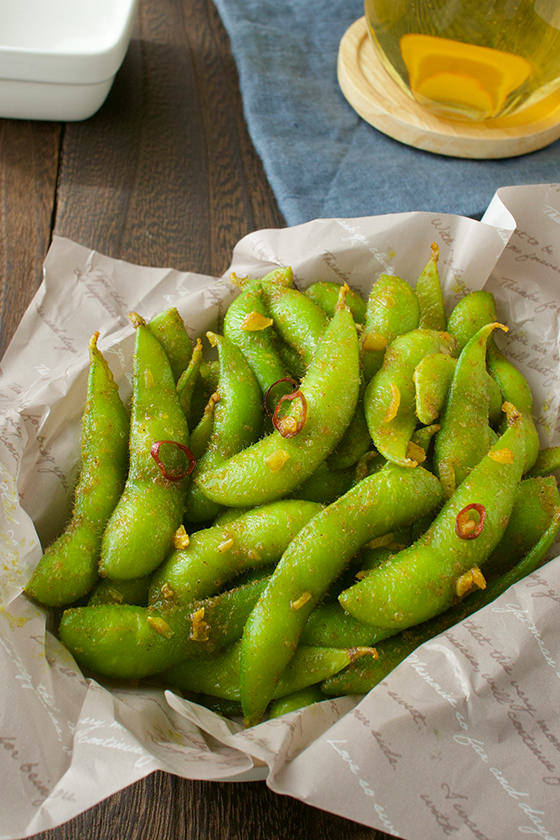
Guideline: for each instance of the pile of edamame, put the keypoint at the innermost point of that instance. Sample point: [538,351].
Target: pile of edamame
[286,518]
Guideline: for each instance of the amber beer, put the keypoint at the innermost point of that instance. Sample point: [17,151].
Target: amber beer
[468,59]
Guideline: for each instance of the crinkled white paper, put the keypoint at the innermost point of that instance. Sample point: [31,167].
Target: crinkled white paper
[462,740]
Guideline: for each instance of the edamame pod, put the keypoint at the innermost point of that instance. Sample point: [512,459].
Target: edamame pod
[392,309]
[319,553]
[169,329]
[238,416]
[220,675]
[424,579]
[275,465]
[547,462]
[325,294]
[133,591]
[429,294]
[219,553]
[189,378]
[464,435]
[298,700]
[471,313]
[361,676]
[389,400]
[515,389]
[68,568]
[139,534]
[298,320]
[248,326]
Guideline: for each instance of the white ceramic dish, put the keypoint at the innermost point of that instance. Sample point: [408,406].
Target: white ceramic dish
[58,58]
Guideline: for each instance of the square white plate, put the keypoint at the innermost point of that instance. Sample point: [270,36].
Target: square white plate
[58,58]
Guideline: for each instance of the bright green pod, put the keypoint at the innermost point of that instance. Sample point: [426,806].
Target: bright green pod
[325,485]
[218,554]
[68,568]
[238,419]
[139,534]
[123,641]
[432,379]
[424,579]
[392,309]
[202,432]
[389,400]
[219,675]
[276,464]
[464,435]
[318,555]
[298,320]
[472,312]
[536,501]
[189,378]
[363,675]
[169,329]
[248,325]
[547,462]
[329,626]
[516,390]
[430,296]
[355,442]
[325,294]
[297,700]
[133,591]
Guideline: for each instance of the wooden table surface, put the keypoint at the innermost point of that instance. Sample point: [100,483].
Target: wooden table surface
[165,175]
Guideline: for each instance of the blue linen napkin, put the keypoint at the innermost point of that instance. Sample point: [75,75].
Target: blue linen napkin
[321,159]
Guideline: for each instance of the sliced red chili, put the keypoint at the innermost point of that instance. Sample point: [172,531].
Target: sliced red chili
[290,426]
[289,379]
[467,527]
[154,452]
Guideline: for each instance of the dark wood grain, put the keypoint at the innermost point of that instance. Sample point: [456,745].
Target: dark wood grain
[29,154]
[164,174]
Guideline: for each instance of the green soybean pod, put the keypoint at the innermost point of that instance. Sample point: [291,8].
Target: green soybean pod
[319,553]
[238,418]
[68,568]
[133,591]
[169,329]
[547,462]
[464,435]
[189,378]
[432,379]
[472,312]
[219,675]
[535,503]
[328,625]
[325,294]
[202,432]
[392,309]
[515,389]
[297,319]
[389,400]
[218,554]
[248,325]
[140,531]
[429,294]
[424,579]
[276,464]
[325,485]
[297,700]
[355,442]
[363,675]
[124,641]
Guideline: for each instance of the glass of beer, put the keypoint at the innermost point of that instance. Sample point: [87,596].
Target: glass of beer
[468,59]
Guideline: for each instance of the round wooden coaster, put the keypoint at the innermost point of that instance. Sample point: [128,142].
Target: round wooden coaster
[380,101]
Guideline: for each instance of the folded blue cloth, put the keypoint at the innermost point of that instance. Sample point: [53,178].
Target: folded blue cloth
[321,159]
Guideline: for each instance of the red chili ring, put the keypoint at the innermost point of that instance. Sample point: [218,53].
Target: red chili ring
[276,421]
[154,452]
[274,384]
[462,518]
